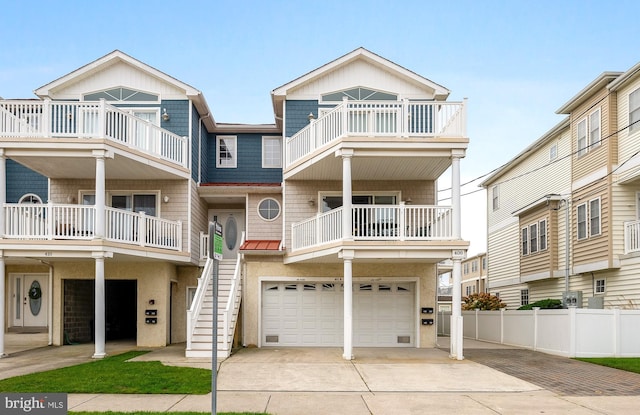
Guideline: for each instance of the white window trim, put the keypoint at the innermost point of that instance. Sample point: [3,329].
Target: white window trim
[131,193]
[495,197]
[529,241]
[590,143]
[553,152]
[234,154]
[524,293]
[155,110]
[586,221]
[266,165]
[599,217]
[275,217]
[524,240]
[595,286]
[542,222]
[635,127]
[30,196]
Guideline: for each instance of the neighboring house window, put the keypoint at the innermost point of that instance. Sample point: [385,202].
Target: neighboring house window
[30,198]
[582,221]
[525,241]
[524,297]
[466,268]
[582,137]
[269,209]
[468,290]
[226,152]
[634,111]
[542,234]
[484,263]
[533,238]
[599,286]
[495,197]
[594,217]
[594,129]
[271,152]
[474,266]
[553,152]
[588,132]
[589,223]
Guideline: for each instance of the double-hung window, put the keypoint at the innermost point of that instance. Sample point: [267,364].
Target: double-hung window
[524,296]
[495,193]
[634,111]
[534,237]
[226,152]
[589,219]
[271,152]
[588,132]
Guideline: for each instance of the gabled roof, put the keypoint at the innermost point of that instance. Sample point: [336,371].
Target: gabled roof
[117,56]
[595,85]
[361,53]
[279,93]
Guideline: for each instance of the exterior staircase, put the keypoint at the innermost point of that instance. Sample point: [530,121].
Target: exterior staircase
[200,315]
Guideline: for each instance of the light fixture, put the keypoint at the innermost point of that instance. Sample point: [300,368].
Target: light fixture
[311,202]
[165,199]
[311,117]
[408,201]
[165,116]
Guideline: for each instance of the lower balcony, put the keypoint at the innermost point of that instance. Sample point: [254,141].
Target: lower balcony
[632,236]
[375,223]
[78,222]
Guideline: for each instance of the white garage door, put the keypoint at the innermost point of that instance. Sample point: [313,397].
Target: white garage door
[311,314]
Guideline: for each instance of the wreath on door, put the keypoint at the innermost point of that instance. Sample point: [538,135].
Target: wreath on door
[35,292]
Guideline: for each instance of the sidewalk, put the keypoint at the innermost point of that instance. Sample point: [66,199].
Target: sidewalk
[319,381]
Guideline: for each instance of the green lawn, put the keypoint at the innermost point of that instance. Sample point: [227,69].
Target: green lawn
[114,375]
[630,364]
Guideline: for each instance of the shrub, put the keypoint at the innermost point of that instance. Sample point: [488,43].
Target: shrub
[483,301]
[547,303]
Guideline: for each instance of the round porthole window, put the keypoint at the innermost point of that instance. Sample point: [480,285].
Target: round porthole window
[269,209]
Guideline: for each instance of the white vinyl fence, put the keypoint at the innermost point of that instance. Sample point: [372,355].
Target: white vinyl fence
[572,332]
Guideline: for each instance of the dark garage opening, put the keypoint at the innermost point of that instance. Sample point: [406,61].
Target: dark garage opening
[79,310]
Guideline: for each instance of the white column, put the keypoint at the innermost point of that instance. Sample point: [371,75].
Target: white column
[2,304]
[456,311]
[3,189]
[99,318]
[455,197]
[100,197]
[347,225]
[348,305]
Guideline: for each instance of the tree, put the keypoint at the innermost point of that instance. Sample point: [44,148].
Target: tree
[482,301]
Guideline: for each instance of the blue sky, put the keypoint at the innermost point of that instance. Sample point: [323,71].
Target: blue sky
[517,62]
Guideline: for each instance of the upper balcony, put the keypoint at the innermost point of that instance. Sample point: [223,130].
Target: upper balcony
[405,129]
[424,232]
[28,127]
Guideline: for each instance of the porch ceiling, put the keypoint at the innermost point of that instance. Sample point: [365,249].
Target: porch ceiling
[84,167]
[374,168]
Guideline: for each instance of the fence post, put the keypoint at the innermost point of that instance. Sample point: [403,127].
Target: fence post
[572,331]
[502,325]
[616,332]
[477,312]
[535,328]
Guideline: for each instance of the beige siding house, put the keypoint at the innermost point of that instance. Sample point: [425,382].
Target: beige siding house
[591,255]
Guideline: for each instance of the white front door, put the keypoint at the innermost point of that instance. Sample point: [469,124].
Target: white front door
[232,222]
[29,294]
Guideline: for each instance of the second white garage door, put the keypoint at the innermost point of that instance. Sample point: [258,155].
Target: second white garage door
[311,314]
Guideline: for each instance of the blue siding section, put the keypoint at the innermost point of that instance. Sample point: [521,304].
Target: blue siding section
[297,115]
[249,166]
[178,111]
[21,180]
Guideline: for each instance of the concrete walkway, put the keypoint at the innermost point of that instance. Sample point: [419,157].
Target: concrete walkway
[318,381]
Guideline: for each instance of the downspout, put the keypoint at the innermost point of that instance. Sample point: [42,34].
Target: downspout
[566,245]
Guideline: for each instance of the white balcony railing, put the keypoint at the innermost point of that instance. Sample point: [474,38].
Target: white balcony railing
[57,119]
[632,236]
[39,221]
[376,222]
[380,119]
